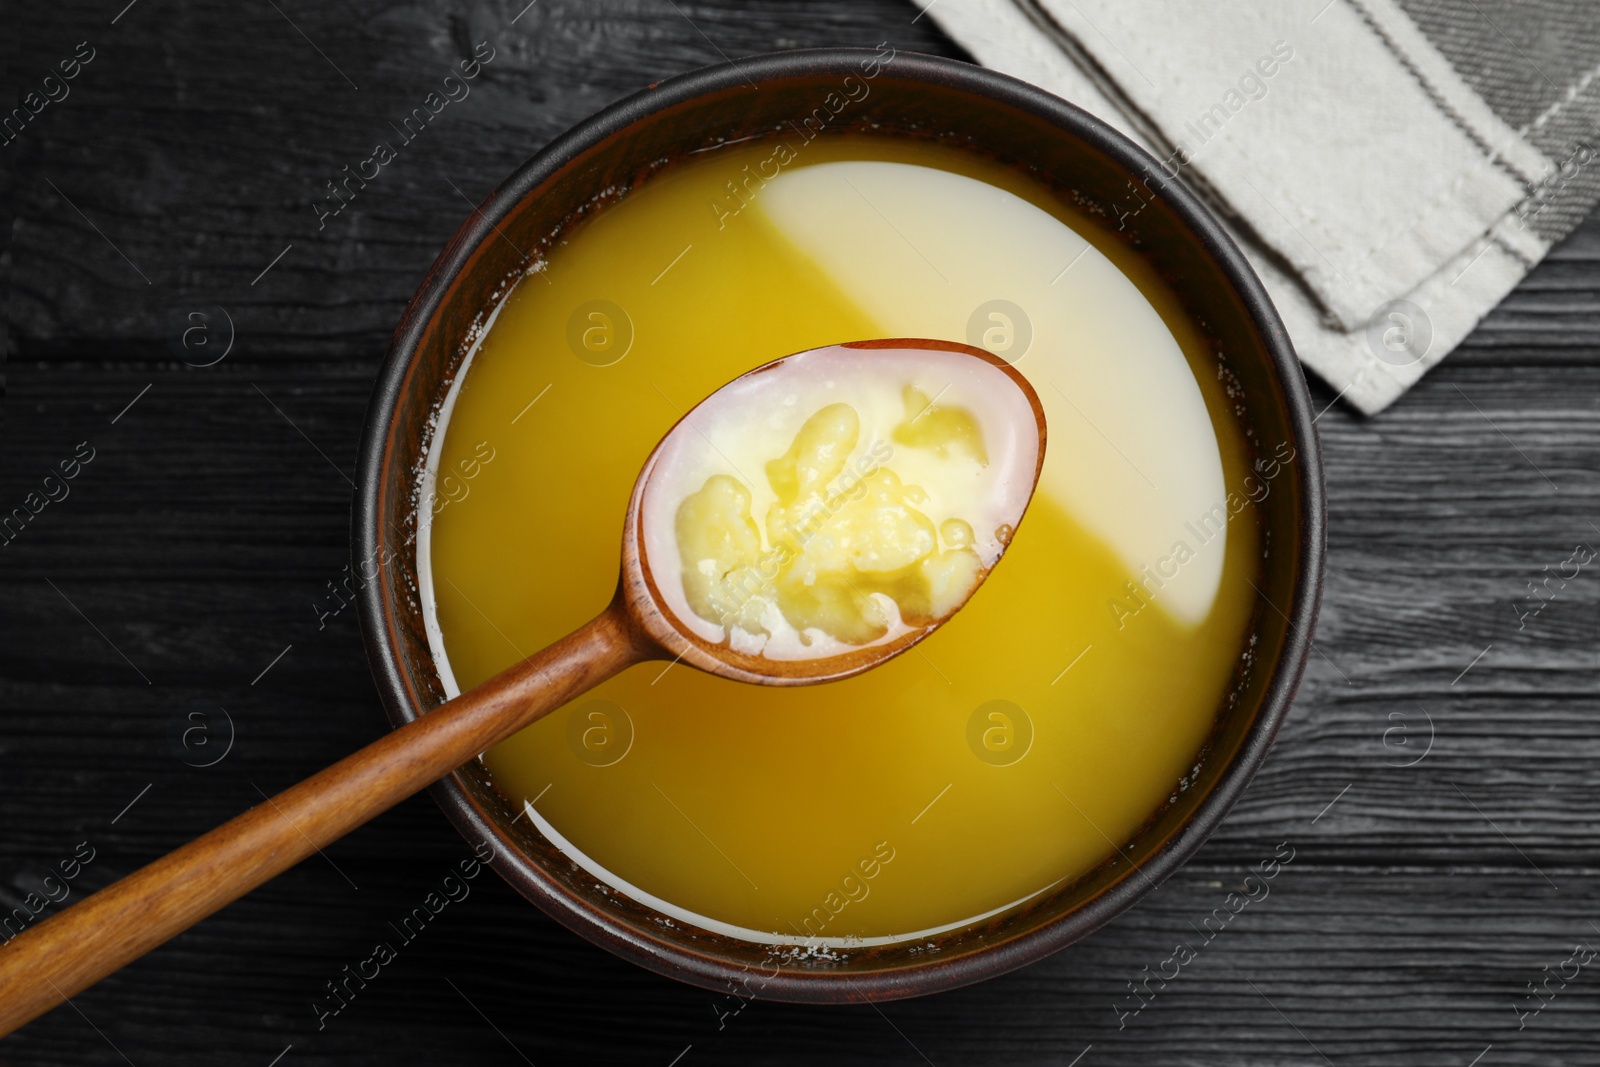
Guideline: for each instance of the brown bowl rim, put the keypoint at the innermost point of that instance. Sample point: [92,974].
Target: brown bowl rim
[930,974]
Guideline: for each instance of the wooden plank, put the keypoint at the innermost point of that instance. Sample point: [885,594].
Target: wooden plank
[1419,904]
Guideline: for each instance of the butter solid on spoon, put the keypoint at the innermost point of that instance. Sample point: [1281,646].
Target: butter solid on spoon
[839,502]
[808,521]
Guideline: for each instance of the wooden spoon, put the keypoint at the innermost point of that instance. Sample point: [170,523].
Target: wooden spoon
[49,962]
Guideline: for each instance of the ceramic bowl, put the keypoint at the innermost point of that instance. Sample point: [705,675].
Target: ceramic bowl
[912,96]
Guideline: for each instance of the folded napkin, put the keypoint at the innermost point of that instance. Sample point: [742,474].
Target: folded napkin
[1392,168]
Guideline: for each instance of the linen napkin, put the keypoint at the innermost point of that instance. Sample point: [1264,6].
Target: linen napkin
[1391,168]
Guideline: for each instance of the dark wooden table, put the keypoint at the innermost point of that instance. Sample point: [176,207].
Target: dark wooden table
[181,570]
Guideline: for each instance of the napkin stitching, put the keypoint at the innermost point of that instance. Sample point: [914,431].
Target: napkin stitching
[1404,230]
[1445,200]
[1491,156]
[1369,362]
[1574,91]
[1167,69]
[1443,106]
[1038,14]
[1089,64]
[1505,246]
[1050,56]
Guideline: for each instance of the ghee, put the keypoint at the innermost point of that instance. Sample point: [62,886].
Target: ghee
[1023,741]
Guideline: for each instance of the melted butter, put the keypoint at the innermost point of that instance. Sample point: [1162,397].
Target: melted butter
[749,805]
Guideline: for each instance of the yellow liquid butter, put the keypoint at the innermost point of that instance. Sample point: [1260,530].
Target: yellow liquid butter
[1013,749]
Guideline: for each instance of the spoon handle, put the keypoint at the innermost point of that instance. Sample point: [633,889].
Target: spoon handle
[47,963]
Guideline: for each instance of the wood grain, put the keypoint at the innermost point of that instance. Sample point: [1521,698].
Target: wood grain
[201,536]
[61,954]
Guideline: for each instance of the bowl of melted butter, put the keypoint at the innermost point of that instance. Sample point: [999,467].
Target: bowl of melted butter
[1062,742]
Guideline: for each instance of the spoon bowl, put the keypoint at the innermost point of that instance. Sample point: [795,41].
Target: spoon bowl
[655,605]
